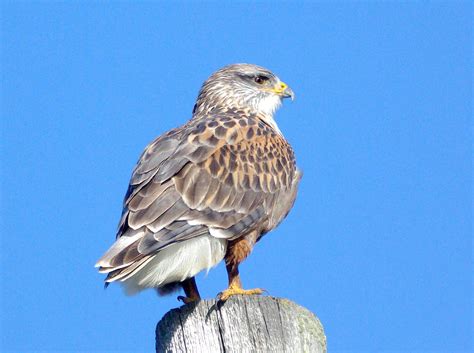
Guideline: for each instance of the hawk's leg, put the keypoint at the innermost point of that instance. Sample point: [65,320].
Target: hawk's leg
[237,251]
[191,291]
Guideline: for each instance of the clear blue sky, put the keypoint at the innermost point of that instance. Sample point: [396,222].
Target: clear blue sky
[379,244]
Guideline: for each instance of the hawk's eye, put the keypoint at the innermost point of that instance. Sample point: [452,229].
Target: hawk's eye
[260,79]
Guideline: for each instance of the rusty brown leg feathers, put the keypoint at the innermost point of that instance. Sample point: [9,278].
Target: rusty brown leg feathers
[236,253]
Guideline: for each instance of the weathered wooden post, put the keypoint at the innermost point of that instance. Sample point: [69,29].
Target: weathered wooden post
[242,324]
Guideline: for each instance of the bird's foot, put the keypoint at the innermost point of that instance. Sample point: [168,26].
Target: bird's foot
[226,294]
[187,300]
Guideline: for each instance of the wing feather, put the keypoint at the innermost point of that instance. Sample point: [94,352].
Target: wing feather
[148,215]
[211,176]
[145,197]
[173,214]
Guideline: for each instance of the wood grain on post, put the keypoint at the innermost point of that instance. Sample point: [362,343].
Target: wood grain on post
[242,324]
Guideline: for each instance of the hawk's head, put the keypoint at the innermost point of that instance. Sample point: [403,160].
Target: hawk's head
[243,86]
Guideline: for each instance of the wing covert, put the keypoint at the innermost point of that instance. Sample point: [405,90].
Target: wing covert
[222,175]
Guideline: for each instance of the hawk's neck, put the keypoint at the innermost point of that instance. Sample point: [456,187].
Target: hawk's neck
[201,112]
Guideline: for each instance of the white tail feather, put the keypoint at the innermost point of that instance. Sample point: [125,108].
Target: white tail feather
[177,262]
[121,243]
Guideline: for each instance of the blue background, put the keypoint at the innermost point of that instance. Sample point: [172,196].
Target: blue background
[379,244]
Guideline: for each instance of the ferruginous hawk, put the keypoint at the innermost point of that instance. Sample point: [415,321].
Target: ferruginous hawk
[208,190]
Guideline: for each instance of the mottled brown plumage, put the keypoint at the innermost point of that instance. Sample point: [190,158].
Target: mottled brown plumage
[221,181]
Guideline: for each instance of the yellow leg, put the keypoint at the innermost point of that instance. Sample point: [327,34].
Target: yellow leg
[235,286]
[236,290]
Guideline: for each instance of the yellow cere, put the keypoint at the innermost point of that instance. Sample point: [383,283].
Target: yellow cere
[280,87]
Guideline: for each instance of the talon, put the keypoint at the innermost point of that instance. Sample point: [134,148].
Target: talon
[226,294]
[187,300]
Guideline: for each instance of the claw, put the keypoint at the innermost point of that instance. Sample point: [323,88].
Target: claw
[187,300]
[226,294]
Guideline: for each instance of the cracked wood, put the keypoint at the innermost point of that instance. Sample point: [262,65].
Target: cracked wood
[242,324]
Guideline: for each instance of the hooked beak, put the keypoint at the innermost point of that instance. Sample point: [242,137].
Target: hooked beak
[283,90]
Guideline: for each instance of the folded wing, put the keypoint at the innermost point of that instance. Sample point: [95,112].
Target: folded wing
[224,176]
